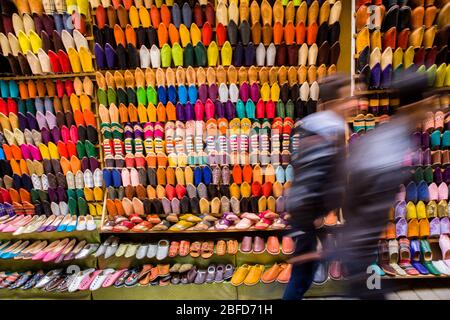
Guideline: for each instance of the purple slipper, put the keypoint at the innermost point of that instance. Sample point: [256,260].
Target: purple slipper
[401,228]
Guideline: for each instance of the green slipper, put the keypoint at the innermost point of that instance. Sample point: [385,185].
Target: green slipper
[290,109]
[141,96]
[90,149]
[240,109]
[428,174]
[281,109]
[102,97]
[112,96]
[250,109]
[132,97]
[166,56]
[431,75]
[427,257]
[188,55]
[43,195]
[152,96]
[117,134]
[177,55]
[82,206]
[79,193]
[34,195]
[105,129]
[71,194]
[73,208]
[81,150]
[22,105]
[418,175]
[200,55]
[440,75]
[122,96]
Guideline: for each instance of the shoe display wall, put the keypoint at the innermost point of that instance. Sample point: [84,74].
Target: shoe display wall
[195,109]
[420,220]
[392,36]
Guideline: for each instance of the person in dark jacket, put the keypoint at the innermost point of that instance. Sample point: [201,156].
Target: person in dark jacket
[319,180]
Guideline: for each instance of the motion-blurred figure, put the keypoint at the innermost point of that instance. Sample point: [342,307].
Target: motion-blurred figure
[376,168]
[319,181]
[364,183]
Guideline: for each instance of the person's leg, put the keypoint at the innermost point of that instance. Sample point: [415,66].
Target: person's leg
[302,274]
[301,280]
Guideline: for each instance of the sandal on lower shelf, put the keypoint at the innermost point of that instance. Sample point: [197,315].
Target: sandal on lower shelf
[195,249]
[207,249]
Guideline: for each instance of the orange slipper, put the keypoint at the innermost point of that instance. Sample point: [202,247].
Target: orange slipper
[130,35]
[161,112]
[89,118]
[78,117]
[119,36]
[111,208]
[132,113]
[16,152]
[123,113]
[171,112]
[24,195]
[75,164]
[247,173]
[237,174]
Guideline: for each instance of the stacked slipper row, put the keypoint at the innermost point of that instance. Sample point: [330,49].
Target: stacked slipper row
[113,248]
[198,199]
[399,37]
[60,280]
[151,32]
[38,39]
[49,147]
[414,257]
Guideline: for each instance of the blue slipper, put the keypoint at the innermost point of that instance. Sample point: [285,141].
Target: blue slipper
[192,93]
[411,192]
[182,94]
[207,175]
[162,95]
[172,94]
[422,192]
[197,176]
[289,173]
[116,178]
[13,89]
[280,174]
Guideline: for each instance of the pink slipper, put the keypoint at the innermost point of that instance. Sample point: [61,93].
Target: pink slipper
[401,194]
[443,191]
[444,244]
[244,224]
[110,279]
[433,191]
[250,216]
[87,280]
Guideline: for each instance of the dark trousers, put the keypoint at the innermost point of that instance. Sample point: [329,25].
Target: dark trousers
[302,274]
